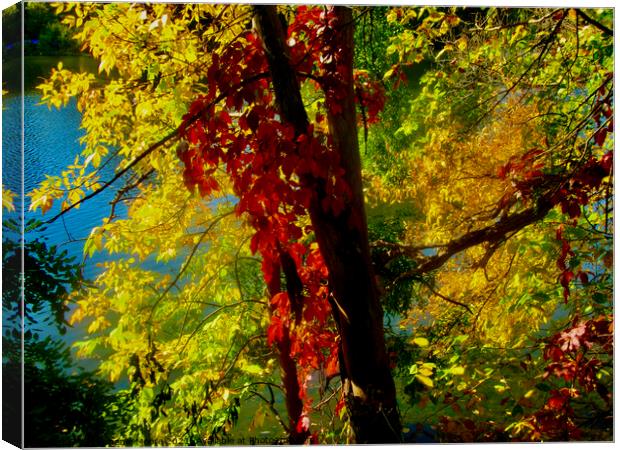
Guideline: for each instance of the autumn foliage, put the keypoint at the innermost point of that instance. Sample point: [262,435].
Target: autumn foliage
[478,219]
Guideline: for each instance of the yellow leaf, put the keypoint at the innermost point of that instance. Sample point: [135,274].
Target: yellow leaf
[155,162]
[426,381]
[421,342]
[425,371]
[461,43]
[572,14]
[458,370]
[529,393]
[143,109]
[7,199]
[44,202]
[259,419]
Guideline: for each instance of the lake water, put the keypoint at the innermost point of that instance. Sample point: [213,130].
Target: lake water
[50,144]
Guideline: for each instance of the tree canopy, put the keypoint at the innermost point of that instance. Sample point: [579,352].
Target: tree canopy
[263,263]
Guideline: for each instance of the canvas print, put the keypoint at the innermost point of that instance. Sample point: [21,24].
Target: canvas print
[237,224]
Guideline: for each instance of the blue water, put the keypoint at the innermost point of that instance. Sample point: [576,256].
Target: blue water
[51,143]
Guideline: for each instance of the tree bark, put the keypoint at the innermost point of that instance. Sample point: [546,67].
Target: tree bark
[343,240]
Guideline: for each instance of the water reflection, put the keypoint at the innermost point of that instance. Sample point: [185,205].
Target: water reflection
[50,144]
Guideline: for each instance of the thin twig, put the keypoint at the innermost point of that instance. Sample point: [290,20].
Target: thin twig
[210,315]
[159,143]
[119,174]
[274,411]
[186,264]
[516,24]
[448,299]
[594,22]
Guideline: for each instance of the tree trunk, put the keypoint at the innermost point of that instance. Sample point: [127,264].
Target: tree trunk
[343,240]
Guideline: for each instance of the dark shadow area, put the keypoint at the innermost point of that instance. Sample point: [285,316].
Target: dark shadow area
[64,405]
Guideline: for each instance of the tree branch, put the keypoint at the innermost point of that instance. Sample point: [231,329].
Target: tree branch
[119,174]
[209,316]
[491,233]
[126,189]
[448,299]
[594,22]
[186,264]
[273,410]
[158,144]
[545,43]
[516,24]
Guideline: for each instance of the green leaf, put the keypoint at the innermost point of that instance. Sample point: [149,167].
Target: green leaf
[460,338]
[600,298]
[517,410]
[253,369]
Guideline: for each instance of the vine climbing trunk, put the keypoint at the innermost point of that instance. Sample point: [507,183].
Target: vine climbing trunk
[294,404]
[342,237]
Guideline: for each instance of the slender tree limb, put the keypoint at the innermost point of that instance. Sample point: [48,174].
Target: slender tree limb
[448,299]
[326,399]
[212,314]
[259,383]
[118,174]
[395,250]
[595,22]
[186,264]
[492,233]
[273,410]
[126,189]
[516,24]
[207,398]
[173,135]
[237,257]
[234,361]
[545,43]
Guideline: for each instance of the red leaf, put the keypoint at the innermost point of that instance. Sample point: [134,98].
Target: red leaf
[253,119]
[600,135]
[339,406]
[554,353]
[503,170]
[607,162]
[275,332]
[332,365]
[571,207]
[280,301]
[565,279]
[556,402]
[303,424]
[254,243]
